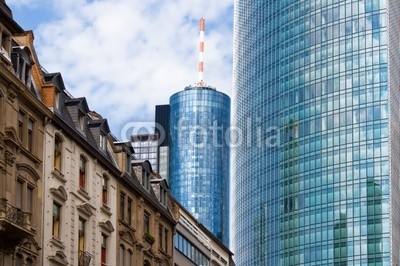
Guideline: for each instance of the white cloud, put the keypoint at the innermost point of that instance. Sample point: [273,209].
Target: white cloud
[126,56]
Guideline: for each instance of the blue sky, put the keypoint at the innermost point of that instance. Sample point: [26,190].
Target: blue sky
[126,56]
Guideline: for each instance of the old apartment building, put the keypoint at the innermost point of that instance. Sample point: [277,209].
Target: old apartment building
[146,221]
[22,120]
[80,182]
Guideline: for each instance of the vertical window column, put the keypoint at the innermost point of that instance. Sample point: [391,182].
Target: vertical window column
[56,220]
[81,241]
[82,172]
[103,250]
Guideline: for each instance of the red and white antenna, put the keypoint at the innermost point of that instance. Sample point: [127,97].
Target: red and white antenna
[201,53]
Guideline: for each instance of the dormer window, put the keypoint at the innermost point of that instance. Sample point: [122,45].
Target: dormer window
[57,100]
[5,44]
[103,142]
[22,64]
[146,180]
[163,196]
[128,163]
[81,121]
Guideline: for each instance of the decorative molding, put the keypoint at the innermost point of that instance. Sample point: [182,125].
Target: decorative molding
[30,246]
[84,193]
[59,258]
[57,242]
[11,94]
[107,226]
[85,209]
[60,193]
[9,157]
[60,176]
[22,167]
[106,210]
[128,236]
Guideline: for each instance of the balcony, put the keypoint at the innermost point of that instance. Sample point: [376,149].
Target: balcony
[84,258]
[14,223]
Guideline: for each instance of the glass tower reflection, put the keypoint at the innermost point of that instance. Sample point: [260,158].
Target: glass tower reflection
[326,193]
[199,156]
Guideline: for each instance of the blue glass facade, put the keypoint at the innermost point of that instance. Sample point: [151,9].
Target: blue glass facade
[199,156]
[316,181]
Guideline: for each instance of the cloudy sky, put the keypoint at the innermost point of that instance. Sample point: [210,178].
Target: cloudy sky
[126,56]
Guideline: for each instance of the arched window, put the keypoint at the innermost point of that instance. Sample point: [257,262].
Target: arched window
[57,152]
[29,262]
[122,255]
[129,256]
[146,263]
[18,260]
[82,172]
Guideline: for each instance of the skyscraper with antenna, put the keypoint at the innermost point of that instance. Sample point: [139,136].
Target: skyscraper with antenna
[199,151]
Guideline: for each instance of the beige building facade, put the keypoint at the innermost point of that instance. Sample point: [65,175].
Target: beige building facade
[146,222]
[22,120]
[80,182]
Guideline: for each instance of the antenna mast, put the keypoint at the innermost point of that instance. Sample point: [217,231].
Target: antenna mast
[201,53]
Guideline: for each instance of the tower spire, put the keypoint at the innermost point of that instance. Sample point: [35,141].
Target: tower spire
[201,53]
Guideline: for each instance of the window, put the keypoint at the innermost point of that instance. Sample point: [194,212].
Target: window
[81,121]
[103,142]
[18,260]
[57,100]
[129,255]
[19,191]
[146,180]
[185,247]
[21,119]
[29,262]
[146,222]
[129,211]
[121,255]
[57,152]
[105,190]
[162,238]
[128,164]
[82,172]
[163,196]
[30,135]
[103,250]
[56,220]
[81,241]
[122,206]
[5,41]
[24,196]
[165,240]
[29,199]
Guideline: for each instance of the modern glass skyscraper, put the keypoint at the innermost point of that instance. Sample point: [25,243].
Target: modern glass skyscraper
[321,77]
[199,156]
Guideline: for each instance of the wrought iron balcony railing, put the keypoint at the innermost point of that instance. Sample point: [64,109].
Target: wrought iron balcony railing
[14,215]
[84,258]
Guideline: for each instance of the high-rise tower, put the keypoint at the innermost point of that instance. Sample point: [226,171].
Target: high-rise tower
[317,179]
[199,152]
